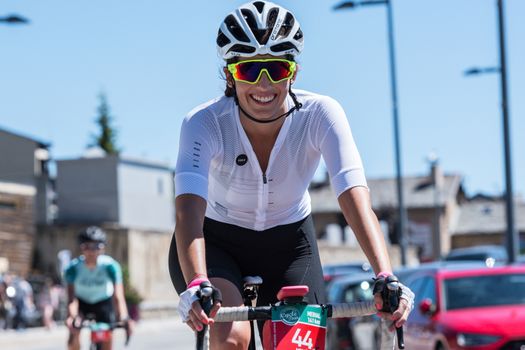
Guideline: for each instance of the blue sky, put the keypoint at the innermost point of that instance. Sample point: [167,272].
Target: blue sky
[156,60]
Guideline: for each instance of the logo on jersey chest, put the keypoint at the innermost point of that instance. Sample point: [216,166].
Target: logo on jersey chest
[241,159]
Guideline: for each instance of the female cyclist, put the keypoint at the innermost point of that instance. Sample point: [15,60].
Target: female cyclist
[244,165]
[94,286]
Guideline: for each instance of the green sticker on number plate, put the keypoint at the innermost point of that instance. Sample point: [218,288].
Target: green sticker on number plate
[308,314]
[297,327]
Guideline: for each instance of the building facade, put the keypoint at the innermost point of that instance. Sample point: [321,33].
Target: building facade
[24,160]
[17,227]
[117,190]
[432,203]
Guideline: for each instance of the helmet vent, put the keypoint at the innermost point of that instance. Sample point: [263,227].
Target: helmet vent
[242,49]
[259,5]
[272,17]
[249,18]
[261,35]
[299,35]
[222,40]
[287,25]
[283,47]
[236,29]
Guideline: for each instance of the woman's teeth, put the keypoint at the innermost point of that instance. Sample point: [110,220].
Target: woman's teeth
[263,99]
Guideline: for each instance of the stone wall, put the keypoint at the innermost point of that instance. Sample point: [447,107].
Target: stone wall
[145,253]
[148,264]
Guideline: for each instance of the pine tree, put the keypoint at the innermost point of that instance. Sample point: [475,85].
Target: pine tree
[106,139]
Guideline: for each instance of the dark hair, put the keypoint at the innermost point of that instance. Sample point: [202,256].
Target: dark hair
[229,91]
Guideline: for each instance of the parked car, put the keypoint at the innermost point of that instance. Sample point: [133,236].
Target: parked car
[520,259]
[490,254]
[464,306]
[332,271]
[352,333]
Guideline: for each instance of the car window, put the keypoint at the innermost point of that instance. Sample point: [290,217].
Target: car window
[415,285]
[421,287]
[359,292]
[480,291]
[427,290]
[333,291]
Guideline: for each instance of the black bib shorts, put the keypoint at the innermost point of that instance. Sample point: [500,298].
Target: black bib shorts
[283,256]
[102,311]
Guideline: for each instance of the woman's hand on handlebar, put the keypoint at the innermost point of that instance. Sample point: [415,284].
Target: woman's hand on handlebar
[73,322]
[197,317]
[404,306]
[191,311]
[129,325]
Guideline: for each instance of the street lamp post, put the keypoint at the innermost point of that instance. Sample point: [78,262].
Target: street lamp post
[512,236]
[402,217]
[512,239]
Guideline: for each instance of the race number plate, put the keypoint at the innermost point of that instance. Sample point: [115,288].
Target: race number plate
[100,332]
[100,336]
[297,327]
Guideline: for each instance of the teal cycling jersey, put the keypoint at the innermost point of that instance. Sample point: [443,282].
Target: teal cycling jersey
[94,284]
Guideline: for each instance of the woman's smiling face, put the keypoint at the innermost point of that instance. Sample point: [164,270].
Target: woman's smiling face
[263,100]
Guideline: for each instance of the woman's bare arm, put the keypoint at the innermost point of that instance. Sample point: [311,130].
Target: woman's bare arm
[190,210]
[357,210]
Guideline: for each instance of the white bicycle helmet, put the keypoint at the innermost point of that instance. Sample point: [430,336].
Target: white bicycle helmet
[259,28]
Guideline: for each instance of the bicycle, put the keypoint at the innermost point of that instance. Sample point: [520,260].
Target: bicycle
[249,294]
[100,332]
[295,324]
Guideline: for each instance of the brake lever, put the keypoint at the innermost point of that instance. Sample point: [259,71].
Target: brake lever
[391,296]
[128,336]
[205,299]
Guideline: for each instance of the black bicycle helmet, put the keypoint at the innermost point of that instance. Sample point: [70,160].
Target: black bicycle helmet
[92,234]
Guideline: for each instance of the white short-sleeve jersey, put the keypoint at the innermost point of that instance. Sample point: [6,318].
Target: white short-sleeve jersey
[216,161]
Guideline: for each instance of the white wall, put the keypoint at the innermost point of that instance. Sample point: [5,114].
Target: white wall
[145,196]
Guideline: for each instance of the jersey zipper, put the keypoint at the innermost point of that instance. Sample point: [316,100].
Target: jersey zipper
[265,180]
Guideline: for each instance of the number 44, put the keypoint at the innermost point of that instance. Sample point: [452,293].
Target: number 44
[300,341]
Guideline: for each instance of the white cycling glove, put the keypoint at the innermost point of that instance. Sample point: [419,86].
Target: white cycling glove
[187,298]
[408,295]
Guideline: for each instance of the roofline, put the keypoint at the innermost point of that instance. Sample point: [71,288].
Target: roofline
[474,271]
[119,159]
[41,143]
[390,178]
[17,189]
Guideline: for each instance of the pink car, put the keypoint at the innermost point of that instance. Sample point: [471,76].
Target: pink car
[462,306]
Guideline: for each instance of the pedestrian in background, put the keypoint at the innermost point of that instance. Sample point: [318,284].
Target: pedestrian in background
[48,301]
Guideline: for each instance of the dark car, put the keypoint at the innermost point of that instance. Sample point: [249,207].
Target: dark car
[490,254]
[332,271]
[352,333]
[466,306]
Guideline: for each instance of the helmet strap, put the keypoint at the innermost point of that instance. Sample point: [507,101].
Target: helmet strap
[296,107]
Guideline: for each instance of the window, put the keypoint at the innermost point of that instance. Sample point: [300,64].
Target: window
[160,187]
[481,291]
[7,205]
